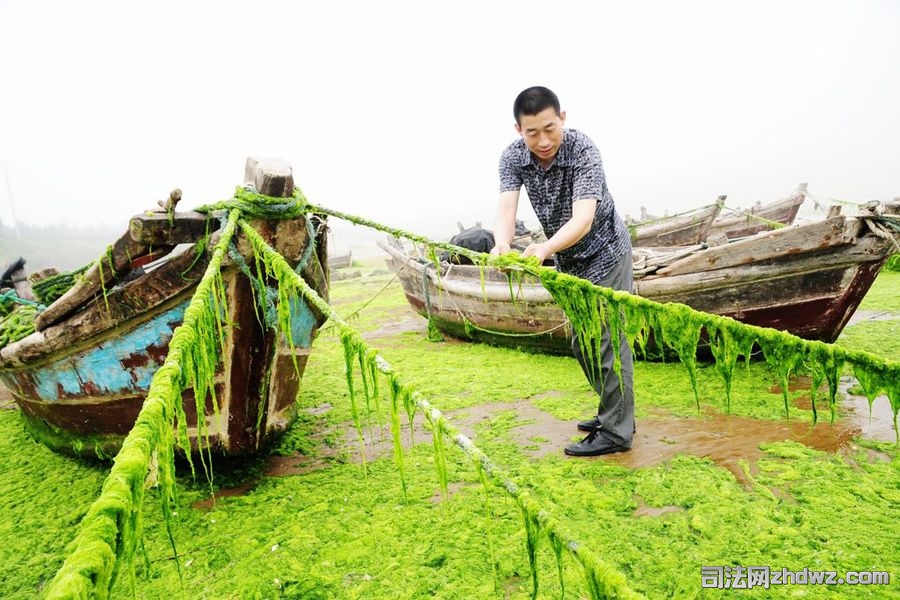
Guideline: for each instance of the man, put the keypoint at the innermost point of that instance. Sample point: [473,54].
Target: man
[563,174]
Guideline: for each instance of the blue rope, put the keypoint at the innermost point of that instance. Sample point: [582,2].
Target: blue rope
[268,296]
[11,295]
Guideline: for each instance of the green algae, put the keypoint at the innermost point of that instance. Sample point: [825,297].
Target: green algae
[19,323]
[727,345]
[893,263]
[882,295]
[323,521]
[674,326]
[50,288]
[437,425]
[259,206]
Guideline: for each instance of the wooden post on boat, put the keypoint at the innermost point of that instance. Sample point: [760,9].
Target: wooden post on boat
[290,238]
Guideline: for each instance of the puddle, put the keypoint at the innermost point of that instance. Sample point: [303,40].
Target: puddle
[653,511]
[725,439]
[875,422]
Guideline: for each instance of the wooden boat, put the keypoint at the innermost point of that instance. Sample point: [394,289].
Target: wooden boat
[807,280]
[683,229]
[81,379]
[762,217]
[340,261]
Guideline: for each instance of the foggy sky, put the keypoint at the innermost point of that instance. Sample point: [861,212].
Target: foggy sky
[398,111]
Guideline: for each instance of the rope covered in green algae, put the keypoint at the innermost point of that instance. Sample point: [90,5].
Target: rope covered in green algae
[479,258]
[784,351]
[109,532]
[678,325]
[603,581]
[50,288]
[259,206]
[17,324]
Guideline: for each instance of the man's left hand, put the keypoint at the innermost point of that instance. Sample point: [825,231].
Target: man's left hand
[542,251]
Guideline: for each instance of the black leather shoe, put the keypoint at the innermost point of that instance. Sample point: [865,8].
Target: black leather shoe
[590,425]
[594,424]
[594,445]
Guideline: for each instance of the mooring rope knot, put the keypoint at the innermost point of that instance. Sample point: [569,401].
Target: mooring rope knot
[254,205]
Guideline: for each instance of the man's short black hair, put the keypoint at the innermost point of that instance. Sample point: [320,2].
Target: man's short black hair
[533,100]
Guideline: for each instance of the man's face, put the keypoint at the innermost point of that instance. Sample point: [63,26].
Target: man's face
[543,133]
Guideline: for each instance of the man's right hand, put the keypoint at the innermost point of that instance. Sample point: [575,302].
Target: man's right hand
[500,249]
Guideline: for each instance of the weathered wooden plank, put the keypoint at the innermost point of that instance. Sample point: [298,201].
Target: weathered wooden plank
[100,274]
[156,228]
[669,288]
[768,246]
[683,229]
[759,218]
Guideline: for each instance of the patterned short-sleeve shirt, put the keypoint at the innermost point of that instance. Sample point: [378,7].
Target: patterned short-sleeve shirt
[576,174]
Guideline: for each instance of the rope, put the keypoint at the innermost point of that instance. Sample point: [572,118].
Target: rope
[255,205]
[750,215]
[378,293]
[478,258]
[820,205]
[884,226]
[13,297]
[470,324]
[267,296]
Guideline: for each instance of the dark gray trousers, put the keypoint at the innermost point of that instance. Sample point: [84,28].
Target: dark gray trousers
[616,409]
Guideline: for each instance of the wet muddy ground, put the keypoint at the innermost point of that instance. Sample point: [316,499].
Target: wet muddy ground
[728,440]
[722,438]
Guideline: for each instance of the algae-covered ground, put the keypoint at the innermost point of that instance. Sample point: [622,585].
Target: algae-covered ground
[311,519]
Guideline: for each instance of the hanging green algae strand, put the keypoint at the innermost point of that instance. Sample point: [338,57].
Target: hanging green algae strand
[727,346]
[440,459]
[108,534]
